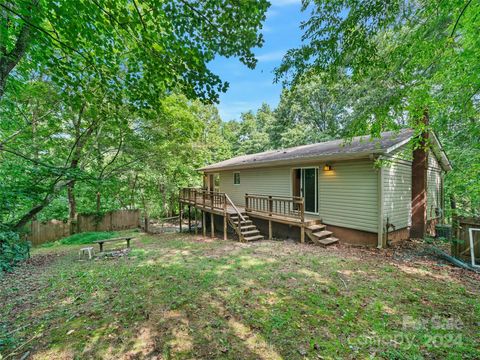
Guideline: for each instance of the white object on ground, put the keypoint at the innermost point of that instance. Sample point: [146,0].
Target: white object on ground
[87,250]
[472,248]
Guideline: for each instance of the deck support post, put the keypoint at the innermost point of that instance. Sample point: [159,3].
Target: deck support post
[180,211]
[212,224]
[204,224]
[302,234]
[225,227]
[269,229]
[189,219]
[196,222]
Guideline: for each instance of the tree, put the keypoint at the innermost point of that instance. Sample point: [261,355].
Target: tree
[408,57]
[110,67]
[150,47]
[405,61]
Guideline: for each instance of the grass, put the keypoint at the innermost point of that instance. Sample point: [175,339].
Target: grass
[180,297]
[82,238]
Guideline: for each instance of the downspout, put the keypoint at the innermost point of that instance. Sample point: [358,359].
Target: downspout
[380,196]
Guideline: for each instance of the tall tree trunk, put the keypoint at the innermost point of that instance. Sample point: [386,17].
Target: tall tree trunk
[72,204]
[80,141]
[10,59]
[41,205]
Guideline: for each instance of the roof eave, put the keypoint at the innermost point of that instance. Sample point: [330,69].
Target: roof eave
[293,161]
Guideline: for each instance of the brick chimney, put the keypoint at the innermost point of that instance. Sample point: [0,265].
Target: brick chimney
[419,183]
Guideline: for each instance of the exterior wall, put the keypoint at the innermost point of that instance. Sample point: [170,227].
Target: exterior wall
[265,181]
[434,186]
[397,188]
[397,194]
[348,195]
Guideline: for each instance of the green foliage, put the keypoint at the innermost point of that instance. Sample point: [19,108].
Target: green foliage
[403,57]
[399,61]
[12,250]
[146,48]
[83,238]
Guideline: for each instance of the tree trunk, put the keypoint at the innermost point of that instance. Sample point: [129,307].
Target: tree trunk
[10,59]
[40,206]
[72,204]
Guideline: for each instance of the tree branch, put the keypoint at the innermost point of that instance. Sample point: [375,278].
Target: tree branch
[459,17]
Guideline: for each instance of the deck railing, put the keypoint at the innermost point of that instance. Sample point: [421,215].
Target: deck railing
[291,207]
[215,201]
[286,206]
[206,198]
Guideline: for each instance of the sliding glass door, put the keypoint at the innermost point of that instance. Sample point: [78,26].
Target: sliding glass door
[309,189]
[305,182]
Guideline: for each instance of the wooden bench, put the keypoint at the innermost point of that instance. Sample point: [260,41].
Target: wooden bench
[101,242]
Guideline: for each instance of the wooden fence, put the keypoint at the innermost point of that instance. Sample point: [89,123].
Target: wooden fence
[43,232]
[461,248]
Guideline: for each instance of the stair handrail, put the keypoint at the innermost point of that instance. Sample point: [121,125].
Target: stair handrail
[234,207]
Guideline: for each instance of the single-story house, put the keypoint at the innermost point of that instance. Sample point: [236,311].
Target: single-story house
[366,191]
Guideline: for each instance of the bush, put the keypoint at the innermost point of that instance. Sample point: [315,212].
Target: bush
[83,238]
[12,250]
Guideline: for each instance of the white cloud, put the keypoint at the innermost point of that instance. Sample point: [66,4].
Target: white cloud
[271,56]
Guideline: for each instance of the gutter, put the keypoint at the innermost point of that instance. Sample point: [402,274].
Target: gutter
[292,161]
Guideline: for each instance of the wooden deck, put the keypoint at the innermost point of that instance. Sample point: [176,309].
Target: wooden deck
[270,208]
[207,205]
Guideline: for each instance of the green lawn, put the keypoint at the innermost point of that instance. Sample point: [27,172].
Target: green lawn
[181,297]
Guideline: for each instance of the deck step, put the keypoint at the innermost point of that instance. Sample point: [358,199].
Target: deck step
[250,232]
[235,217]
[253,238]
[246,227]
[316,227]
[322,234]
[327,241]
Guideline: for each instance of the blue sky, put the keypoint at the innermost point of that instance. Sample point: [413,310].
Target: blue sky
[250,88]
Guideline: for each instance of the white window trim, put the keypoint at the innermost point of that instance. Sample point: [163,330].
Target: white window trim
[239,180]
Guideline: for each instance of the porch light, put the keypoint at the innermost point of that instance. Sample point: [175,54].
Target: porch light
[327,167]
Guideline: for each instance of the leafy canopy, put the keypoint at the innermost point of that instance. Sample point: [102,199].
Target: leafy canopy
[149,47]
[404,57]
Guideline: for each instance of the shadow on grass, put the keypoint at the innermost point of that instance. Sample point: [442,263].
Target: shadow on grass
[177,298]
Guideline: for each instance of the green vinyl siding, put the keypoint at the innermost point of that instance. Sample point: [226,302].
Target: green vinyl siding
[265,181]
[347,195]
[434,184]
[397,187]
[397,193]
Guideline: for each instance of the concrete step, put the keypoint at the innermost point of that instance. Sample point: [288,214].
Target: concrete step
[254,238]
[327,241]
[250,232]
[322,234]
[316,227]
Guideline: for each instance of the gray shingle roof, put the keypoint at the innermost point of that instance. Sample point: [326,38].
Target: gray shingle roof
[358,146]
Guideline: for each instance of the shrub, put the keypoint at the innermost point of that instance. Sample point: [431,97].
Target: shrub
[12,250]
[82,238]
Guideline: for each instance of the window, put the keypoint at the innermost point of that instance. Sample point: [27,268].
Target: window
[236,178]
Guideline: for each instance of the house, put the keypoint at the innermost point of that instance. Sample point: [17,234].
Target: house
[369,191]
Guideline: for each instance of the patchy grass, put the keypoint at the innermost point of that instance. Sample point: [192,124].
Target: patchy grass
[180,297]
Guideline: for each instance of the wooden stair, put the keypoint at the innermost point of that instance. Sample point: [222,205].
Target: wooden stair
[247,230]
[318,233]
